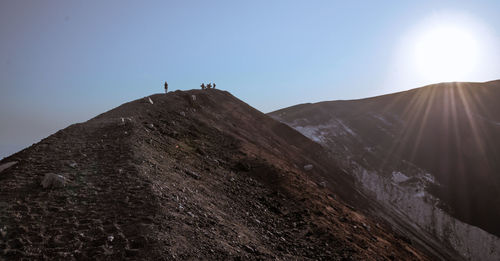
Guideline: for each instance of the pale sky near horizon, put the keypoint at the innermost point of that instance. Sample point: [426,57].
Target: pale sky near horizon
[63,62]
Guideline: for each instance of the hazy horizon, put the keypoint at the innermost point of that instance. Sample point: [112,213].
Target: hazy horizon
[66,62]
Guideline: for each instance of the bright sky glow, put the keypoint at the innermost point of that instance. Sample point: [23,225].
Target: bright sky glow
[444,47]
[63,62]
[446,53]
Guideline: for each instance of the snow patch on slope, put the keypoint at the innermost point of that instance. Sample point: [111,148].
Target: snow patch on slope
[399,177]
[320,133]
[407,196]
[381,118]
[312,132]
[420,208]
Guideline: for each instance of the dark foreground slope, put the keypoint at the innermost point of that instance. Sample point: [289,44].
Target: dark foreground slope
[445,137]
[192,175]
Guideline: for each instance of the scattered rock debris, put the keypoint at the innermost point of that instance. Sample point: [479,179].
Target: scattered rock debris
[51,180]
[308,167]
[161,195]
[7,165]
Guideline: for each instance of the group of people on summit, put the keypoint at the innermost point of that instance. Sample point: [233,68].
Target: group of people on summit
[203,86]
[208,86]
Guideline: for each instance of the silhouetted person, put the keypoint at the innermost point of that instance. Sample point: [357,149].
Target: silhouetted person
[202,86]
[214,85]
[166,87]
[209,86]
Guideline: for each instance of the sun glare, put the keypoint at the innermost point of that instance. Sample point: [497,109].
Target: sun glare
[446,46]
[446,53]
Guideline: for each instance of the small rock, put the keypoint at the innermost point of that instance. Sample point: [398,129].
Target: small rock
[308,167]
[248,248]
[183,114]
[73,164]
[7,165]
[51,180]
[111,238]
[193,174]
[147,100]
[151,126]
[191,214]
[107,250]
[193,97]
[322,184]
[367,227]
[3,231]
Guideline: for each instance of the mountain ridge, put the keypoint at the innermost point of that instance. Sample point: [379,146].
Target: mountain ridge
[192,174]
[441,140]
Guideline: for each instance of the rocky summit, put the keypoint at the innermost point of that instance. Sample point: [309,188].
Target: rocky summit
[189,175]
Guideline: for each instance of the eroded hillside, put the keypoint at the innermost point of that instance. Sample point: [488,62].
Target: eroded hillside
[430,154]
[187,175]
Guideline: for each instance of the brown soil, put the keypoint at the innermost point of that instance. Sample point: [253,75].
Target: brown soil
[196,175]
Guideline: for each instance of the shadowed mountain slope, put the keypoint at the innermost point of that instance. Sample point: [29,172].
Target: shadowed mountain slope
[444,135]
[187,175]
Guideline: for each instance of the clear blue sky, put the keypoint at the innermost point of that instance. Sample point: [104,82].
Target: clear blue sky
[63,62]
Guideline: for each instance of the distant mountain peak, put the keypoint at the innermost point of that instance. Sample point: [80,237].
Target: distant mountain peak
[448,133]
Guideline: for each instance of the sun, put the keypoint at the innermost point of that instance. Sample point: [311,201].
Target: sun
[446,53]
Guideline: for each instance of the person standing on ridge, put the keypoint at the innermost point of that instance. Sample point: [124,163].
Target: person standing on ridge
[214,85]
[166,87]
[209,86]
[202,86]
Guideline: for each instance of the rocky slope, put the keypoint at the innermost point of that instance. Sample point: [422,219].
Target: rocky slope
[430,155]
[188,175]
